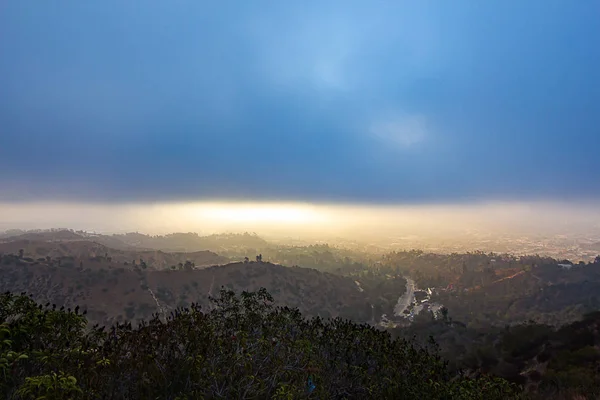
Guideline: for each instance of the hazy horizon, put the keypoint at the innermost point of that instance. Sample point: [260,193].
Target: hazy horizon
[315,221]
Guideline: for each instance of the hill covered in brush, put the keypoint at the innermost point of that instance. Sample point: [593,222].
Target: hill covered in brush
[243,348]
[94,255]
[182,242]
[116,291]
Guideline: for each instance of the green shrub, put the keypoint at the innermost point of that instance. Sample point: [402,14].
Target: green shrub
[243,348]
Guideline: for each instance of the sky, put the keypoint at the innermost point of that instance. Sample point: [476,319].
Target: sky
[378,102]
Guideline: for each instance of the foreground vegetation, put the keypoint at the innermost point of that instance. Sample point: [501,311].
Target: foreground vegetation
[529,320]
[243,348]
[550,362]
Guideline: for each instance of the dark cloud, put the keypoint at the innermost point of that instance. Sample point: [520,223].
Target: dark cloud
[329,101]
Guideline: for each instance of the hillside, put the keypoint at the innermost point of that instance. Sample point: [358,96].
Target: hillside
[115,293]
[550,362]
[54,235]
[93,255]
[546,294]
[492,289]
[185,242]
[234,247]
[235,244]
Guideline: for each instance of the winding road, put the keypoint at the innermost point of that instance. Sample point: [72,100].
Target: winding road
[406,299]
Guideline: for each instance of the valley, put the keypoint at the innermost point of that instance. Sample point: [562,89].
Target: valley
[468,302]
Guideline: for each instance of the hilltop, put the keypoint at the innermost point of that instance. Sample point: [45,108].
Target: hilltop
[185,242]
[51,235]
[175,242]
[91,254]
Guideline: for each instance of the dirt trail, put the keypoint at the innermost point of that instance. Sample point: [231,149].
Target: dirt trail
[509,277]
[160,308]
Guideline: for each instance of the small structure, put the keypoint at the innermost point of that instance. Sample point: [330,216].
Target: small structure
[565,266]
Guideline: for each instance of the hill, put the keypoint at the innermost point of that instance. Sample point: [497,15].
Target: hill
[186,242]
[499,289]
[234,247]
[549,362]
[54,235]
[93,255]
[115,292]
[237,245]
[548,294]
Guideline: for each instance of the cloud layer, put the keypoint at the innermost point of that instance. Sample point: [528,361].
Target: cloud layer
[324,101]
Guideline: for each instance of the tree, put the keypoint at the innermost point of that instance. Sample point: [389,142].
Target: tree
[244,348]
[444,313]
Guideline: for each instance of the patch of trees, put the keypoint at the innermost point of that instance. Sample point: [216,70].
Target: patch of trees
[321,257]
[552,362]
[464,270]
[244,348]
[486,288]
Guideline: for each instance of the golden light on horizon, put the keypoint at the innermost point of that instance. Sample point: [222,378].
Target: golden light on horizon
[299,218]
[271,214]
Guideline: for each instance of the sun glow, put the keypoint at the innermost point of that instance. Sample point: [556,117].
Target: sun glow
[316,221]
[257,213]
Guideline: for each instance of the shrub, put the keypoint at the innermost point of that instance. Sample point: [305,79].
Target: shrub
[244,348]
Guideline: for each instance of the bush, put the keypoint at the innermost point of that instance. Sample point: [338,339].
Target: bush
[244,348]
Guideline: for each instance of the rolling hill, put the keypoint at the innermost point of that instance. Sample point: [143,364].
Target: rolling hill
[174,242]
[93,255]
[118,294]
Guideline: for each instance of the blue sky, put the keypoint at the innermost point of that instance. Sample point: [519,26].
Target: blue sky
[349,101]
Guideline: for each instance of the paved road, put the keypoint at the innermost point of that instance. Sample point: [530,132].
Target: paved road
[406,299]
